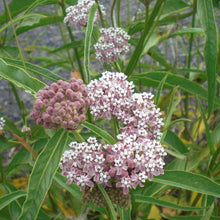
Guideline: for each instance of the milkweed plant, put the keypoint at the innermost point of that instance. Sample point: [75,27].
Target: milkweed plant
[132,132]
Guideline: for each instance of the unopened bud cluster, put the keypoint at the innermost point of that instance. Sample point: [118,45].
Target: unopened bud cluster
[2,123]
[112,44]
[61,104]
[78,14]
[95,196]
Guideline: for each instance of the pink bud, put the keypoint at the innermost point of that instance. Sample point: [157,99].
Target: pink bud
[82,118]
[58,119]
[46,117]
[69,93]
[39,121]
[71,124]
[64,124]
[62,112]
[49,110]
[54,87]
[76,119]
[75,86]
[59,96]
[51,93]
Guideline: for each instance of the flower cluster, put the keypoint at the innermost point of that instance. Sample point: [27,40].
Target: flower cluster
[2,123]
[85,164]
[78,14]
[110,95]
[138,154]
[61,104]
[112,44]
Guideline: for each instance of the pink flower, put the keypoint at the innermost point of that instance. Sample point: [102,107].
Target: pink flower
[110,95]
[112,44]
[78,14]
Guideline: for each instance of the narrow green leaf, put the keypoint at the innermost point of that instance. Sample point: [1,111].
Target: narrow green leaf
[100,132]
[148,30]
[208,214]
[42,175]
[20,78]
[88,38]
[176,121]
[15,8]
[189,181]
[42,22]
[216,135]
[188,217]
[34,68]
[154,78]
[173,7]
[206,16]
[108,201]
[7,199]
[160,87]
[125,214]
[172,106]
[151,200]
[208,134]
[33,15]
[173,141]
[187,31]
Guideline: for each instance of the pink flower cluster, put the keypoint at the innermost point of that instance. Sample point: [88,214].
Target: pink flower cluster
[85,164]
[112,44]
[110,95]
[78,14]
[61,104]
[138,154]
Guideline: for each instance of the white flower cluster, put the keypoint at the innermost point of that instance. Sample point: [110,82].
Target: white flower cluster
[78,14]
[2,123]
[110,95]
[112,44]
[85,164]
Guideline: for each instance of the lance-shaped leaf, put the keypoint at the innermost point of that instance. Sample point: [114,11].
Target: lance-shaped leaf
[189,181]
[7,199]
[42,175]
[88,37]
[206,16]
[151,200]
[100,132]
[20,78]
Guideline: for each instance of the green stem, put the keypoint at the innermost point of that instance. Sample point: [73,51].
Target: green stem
[78,137]
[65,41]
[14,31]
[145,36]
[73,40]
[118,13]
[108,201]
[1,170]
[189,64]
[115,126]
[18,100]
[100,14]
[112,13]
[212,162]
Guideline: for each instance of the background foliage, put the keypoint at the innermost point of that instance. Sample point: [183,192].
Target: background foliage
[174,53]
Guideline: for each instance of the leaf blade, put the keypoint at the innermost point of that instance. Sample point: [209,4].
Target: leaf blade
[42,175]
[206,15]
